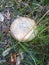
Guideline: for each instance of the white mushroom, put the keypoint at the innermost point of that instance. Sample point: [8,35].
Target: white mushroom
[23,29]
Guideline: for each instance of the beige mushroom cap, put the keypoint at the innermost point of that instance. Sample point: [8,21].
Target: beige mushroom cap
[23,29]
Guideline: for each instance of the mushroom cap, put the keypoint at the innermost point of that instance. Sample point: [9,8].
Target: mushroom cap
[23,29]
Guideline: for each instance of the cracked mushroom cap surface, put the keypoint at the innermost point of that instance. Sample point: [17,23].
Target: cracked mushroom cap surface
[23,29]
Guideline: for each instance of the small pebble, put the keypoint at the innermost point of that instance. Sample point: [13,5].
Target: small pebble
[1,17]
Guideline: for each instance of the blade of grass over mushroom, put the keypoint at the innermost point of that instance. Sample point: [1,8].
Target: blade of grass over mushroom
[42,17]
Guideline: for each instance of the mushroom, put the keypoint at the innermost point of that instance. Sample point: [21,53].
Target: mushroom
[23,29]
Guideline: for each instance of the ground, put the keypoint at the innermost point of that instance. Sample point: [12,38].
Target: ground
[35,52]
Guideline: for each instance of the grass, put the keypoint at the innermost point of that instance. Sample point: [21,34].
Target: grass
[37,50]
